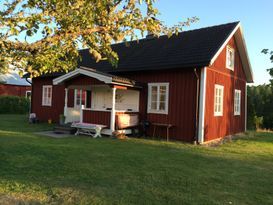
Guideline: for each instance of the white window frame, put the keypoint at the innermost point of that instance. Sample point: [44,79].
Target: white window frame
[45,101]
[157,111]
[28,91]
[237,102]
[221,101]
[229,48]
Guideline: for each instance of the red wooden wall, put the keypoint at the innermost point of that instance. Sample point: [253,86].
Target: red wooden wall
[182,101]
[97,117]
[221,126]
[14,90]
[47,112]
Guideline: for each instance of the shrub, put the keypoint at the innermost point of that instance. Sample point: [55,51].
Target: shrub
[14,105]
[258,121]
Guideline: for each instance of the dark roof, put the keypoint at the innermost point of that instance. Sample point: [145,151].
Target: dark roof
[193,48]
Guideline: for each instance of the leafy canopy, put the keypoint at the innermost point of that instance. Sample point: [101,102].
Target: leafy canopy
[270,70]
[61,27]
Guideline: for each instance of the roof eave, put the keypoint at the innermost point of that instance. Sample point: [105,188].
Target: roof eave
[238,33]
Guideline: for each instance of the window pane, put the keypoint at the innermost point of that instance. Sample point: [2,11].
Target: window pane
[162,98]
[83,97]
[153,105]
[154,93]
[162,106]
[163,89]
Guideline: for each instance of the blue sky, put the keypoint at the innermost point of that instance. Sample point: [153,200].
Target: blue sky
[256,17]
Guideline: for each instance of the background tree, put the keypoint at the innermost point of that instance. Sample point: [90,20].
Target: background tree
[260,102]
[53,31]
[270,70]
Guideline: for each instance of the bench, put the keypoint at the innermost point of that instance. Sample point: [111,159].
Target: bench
[93,130]
[167,126]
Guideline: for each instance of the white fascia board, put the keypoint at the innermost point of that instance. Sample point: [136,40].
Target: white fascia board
[224,44]
[245,56]
[242,51]
[78,71]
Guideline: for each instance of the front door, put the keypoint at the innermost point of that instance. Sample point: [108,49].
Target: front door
[73,113]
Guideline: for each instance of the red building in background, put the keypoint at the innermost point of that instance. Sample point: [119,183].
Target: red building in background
[13,85]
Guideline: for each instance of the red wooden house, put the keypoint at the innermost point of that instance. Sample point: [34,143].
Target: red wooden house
[194,81]
[13,85]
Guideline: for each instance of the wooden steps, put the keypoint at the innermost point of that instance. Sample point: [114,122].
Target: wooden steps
[64,129]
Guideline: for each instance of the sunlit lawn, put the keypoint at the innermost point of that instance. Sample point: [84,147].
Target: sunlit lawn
[80,170]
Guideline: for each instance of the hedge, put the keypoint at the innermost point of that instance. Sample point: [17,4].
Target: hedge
[14,105]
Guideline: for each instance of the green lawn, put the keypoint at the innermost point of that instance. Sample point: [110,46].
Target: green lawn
[81,170]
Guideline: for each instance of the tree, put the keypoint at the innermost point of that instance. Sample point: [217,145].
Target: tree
[270,70]
[61,27]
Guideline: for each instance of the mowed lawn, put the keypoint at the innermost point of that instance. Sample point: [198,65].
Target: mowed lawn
[81,170]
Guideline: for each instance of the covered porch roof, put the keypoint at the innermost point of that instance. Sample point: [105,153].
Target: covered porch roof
[101,76]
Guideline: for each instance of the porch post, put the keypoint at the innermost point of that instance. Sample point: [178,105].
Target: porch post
[113,111]
[81,113]
[65,102]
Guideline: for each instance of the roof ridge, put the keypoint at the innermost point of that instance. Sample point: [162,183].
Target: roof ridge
[182,32]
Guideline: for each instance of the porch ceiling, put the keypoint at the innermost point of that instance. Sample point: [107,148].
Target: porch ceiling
[104,77]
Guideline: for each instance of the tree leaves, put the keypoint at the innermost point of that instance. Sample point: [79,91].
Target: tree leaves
[53,31]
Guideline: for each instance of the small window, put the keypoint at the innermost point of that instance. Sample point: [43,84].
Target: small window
[218,100]
[237,102]
[47,95]
[28,94]
[230,58]
[80,98]
[158,95]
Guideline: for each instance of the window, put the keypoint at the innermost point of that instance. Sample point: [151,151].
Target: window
[230,57]
[47,95]
[80,98]
[218,100]
[237,102]
[158,95]
[28,94]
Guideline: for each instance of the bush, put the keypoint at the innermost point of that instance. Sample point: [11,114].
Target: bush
[14,105]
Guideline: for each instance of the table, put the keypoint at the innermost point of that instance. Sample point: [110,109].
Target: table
[167,126]
[88,129]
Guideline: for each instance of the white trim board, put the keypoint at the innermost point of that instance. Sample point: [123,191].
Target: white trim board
[202,105]
[78,71]
[238,33]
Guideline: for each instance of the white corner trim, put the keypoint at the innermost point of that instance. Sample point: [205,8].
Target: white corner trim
[246,108]
[78,71]
[224,44]
[202,105]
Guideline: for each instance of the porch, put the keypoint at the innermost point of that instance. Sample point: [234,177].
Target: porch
[99,98]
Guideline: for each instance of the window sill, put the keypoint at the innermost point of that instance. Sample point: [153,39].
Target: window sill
[157,112]
[230,68]
[218,115]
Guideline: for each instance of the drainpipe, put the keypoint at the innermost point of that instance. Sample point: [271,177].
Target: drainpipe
[28,81]
[197,106]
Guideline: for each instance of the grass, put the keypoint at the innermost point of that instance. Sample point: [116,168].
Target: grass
[80,170]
